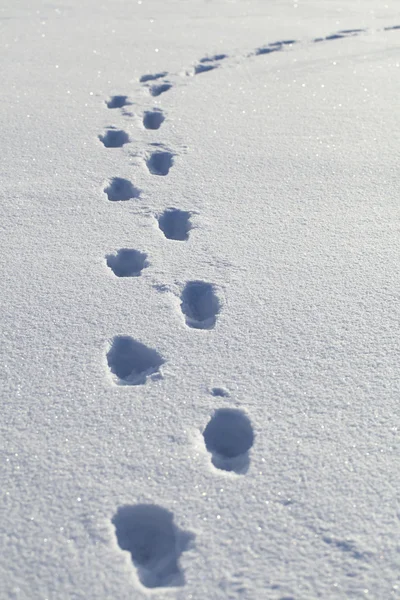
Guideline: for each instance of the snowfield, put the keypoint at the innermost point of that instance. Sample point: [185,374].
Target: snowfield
[200,299]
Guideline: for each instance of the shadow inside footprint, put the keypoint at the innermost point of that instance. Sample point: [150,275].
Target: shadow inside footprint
[132,362]
[229,437]
[175,224]
[118,102]
[114,138]
[155,543]
[120,189]
[127,263]
[153,119]
[159,163]
[200,305]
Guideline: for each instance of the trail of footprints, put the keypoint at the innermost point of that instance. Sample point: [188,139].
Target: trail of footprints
[148,531]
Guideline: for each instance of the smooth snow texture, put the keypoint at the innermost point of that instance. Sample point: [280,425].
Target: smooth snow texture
[224,425]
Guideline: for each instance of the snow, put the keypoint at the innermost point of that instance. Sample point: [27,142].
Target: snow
[200,324]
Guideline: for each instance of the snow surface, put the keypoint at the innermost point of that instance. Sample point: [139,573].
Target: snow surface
[200,390]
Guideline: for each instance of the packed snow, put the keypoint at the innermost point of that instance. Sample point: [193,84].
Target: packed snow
[200,307]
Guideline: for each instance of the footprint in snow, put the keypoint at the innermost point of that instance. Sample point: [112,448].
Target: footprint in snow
[273,47]
[155,543]
[160,162]
[175,224]
[229,436]
[120,189]
[114,138]
[352,31]
[159,88]
[220,392]
[200,305]
[127,262]
[153,119]
[118,102]
[131,362]
[208,63]
[216,57]
[340,35]
[203,68]
[152,76]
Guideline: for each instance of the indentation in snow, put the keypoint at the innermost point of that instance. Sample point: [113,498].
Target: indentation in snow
[154,542]
[159,163]
[153,119]
[200,305]
[203,68]
[114,138]
[127,262]
[131,362]
[220,392]
[117,102]
[161,88]
[120,189]
[175,224]
[228,437]
[152,77]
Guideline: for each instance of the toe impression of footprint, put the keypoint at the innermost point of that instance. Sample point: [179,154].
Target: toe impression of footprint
[228,437]
[155,543]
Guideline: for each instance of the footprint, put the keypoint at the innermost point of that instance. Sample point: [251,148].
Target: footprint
[152,77]
[127,263]
[114,138]
[153,119]
[155,543]
[118,102]
[334,36]
[175,224]
[346,545]
[200,305]
[158,89]
[266,50]
[159,163]
[340,35]
[352,31]
[207,59]
[132,362]
[273,47]
[121,189]
[220,392]
[203,68]
[228,437]
[284,43]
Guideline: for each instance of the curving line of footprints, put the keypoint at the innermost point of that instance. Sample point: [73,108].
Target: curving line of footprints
[148,531]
